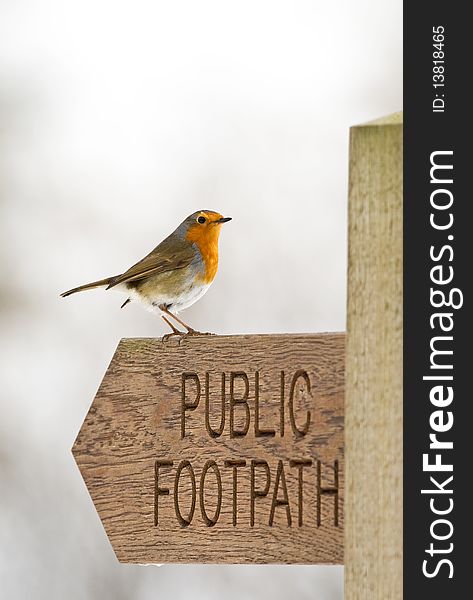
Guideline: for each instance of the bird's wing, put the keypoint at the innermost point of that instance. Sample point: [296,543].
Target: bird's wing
[170,255]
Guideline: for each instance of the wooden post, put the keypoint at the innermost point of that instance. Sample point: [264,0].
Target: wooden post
[373,434]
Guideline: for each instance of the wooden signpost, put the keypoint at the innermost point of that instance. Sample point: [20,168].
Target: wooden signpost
[233,449]
[373,399]
[220,449]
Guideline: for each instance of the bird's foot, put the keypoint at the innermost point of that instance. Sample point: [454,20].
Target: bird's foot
[191,331]
[174,333]
[179,335]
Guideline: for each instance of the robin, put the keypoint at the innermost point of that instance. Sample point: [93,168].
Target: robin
[175,274]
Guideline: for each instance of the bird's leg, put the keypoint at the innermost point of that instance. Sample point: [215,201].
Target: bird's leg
[190,331]
[175,331]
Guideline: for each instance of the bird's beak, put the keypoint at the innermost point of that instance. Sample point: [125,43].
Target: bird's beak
[223,220]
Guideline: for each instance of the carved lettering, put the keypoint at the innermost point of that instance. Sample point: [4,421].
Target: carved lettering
[331,491]
[185,464]
[258,478]
[280,481]
[185,405]
[258,493]
[267,480]
[243,401]
[210,522]
[299,432]
[235,464]
[300,464]
[159,491]
[260,432]
[214,433]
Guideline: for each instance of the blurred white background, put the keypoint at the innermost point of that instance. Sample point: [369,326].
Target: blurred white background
[117,119]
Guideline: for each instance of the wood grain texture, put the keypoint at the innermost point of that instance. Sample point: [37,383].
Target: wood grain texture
[155,512]
[373,413]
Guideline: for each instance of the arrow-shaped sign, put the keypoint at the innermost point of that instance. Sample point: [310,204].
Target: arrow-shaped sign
[220,449]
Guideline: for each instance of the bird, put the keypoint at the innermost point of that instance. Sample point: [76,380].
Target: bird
[175,274]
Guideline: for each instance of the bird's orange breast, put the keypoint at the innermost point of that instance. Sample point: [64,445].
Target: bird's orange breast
[207,242]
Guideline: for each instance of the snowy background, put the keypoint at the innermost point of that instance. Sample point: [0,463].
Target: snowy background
[117,119]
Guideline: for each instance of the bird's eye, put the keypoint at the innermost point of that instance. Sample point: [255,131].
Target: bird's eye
[201,220]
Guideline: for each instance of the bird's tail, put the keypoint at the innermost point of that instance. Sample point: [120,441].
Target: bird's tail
[88,286]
